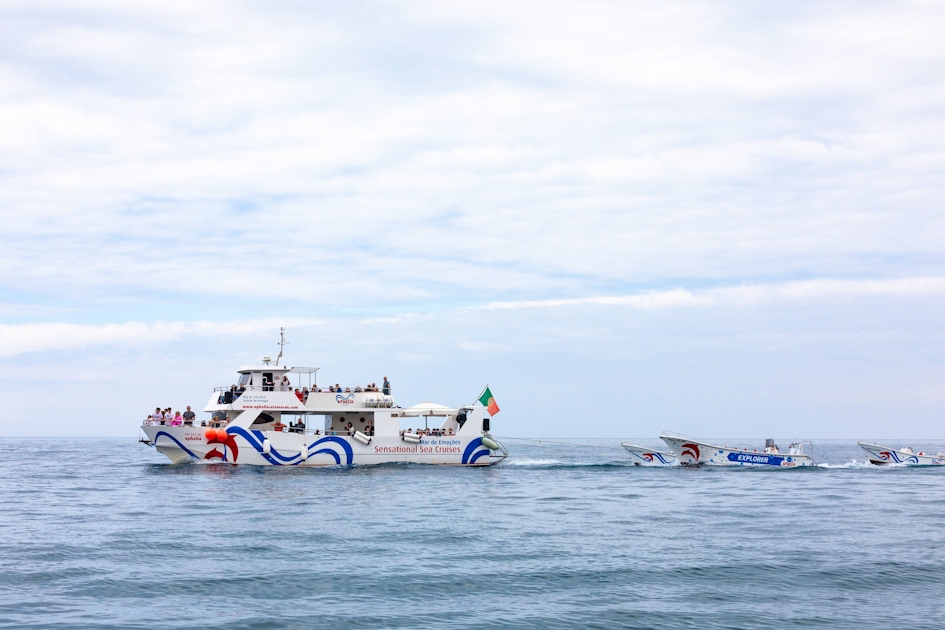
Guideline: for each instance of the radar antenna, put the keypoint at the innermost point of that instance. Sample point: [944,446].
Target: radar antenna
[282,344]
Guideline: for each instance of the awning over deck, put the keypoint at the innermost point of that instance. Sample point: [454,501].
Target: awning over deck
[428,409]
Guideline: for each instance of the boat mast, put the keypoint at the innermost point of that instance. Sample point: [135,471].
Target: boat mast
[282,344]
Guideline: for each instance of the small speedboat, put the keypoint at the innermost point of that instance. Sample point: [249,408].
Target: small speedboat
[881,455]
[692,452]
[643,456]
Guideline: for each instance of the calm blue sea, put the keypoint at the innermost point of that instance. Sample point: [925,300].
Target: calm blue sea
[106,534]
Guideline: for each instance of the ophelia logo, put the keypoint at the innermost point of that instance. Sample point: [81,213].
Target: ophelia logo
[345,400]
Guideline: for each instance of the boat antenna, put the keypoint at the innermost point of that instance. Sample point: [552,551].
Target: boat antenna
[282,344]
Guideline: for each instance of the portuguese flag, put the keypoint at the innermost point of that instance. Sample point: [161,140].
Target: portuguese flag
[488,401]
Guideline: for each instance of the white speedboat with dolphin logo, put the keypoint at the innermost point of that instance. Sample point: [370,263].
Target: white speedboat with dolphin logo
[643,456]
[881,455]
[273,417]
[692,452]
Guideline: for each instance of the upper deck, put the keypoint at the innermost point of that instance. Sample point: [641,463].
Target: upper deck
[269,387]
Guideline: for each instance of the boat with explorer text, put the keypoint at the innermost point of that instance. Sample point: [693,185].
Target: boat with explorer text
[882,455]
[280,416]
[692,452]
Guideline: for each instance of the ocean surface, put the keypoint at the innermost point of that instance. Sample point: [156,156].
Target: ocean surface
[565,533]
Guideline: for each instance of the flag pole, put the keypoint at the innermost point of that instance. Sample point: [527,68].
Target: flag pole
[480,395]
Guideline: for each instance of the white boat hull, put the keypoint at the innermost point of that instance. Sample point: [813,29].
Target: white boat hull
[882,455]
[642,456]
[237,445]
[694,453]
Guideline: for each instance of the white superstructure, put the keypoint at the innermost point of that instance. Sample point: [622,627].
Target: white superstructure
[260,421]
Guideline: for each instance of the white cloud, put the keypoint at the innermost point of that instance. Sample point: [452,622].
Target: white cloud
[16,339]
[748,295]
[191,169]
[416,150]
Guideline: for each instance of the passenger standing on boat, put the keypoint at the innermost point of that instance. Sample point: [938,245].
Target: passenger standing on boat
[189,417]
[157,417]
[219,417]
[285,385]
[386,387]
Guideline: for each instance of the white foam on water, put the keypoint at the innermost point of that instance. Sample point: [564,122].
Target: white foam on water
[532,462]
[852,464]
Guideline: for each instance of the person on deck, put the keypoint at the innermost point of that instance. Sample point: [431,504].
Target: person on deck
[386,389]
[189,417]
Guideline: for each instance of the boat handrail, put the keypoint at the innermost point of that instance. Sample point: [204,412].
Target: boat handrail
[370,399]
[285,388]
[799,444]
[681,436]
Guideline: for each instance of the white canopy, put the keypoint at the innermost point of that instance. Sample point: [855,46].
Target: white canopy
[428,409]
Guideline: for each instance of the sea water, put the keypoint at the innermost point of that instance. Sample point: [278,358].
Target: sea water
[108,534]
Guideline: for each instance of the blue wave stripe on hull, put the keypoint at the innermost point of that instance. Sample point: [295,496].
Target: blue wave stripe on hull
[255,439]
[176,441]
[472,446]
[479,455]
[330,452]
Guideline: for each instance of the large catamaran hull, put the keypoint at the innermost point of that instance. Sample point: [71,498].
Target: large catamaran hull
[237,445]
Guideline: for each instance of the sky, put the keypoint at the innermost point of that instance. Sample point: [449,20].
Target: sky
[721,219]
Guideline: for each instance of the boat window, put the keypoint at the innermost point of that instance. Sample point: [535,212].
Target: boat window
[263,419]
[244,379]
[267,381]
[461,418]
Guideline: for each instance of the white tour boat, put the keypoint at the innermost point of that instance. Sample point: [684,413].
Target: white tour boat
[692,452]
[258,421]
[881,455]
[642,456]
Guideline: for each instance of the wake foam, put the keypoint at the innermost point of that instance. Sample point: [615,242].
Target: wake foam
[850,465]
[557,463]
[533,462]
